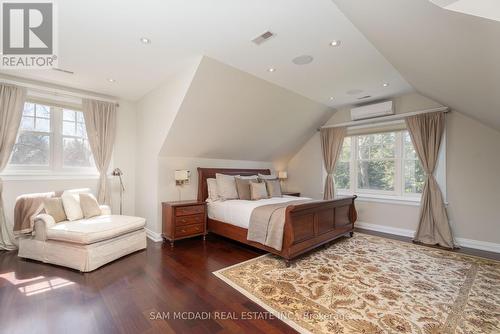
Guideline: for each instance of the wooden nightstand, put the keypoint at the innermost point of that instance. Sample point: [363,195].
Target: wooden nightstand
[183,219]
[291,193]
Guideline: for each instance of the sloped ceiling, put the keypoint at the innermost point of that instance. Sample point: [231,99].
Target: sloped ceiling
[100,39]
[448,56]
[230,114]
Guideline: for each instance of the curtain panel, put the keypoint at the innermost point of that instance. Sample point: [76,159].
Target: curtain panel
[12,100]
[100,121]
[426,131]
[331,146]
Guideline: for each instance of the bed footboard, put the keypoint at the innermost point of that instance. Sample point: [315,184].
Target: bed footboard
[310,225]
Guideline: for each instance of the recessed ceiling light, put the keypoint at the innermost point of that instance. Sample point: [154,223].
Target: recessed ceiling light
[335,42]
[385,84]
[271,69]
[111,80]
[332,98]
[145,40]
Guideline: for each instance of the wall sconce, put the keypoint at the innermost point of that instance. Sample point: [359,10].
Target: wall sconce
[181,177]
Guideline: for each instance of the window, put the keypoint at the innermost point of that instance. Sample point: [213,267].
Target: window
[76,149]
[51,139]
[380,165]
[32,147]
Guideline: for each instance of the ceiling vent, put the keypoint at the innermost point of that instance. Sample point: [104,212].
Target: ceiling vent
[262,38]
[364,97]
[64,71]
[372,111]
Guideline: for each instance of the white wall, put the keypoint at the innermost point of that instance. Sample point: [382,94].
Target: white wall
[473,185]
[155,113]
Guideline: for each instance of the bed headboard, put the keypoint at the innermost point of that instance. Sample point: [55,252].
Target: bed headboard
[206,173]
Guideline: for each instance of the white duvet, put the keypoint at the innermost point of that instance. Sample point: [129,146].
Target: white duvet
[237,212]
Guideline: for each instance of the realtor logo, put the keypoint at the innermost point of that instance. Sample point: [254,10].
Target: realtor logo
[28,35]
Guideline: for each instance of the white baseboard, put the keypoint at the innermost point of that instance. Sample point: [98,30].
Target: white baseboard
[476,244]
[154,236]
[469,243]
[386,229]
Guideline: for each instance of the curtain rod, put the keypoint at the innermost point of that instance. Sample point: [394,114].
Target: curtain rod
[55,91]
[385,118]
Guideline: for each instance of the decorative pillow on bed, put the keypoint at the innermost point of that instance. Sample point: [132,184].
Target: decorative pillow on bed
[258,191]
[213,195]
[273,188]
[267,177]
[226,186]
[243,186]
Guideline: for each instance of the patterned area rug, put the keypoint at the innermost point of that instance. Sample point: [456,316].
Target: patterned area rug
[369,284]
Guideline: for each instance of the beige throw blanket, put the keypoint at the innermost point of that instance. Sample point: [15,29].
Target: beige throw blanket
[267,224]
[27,208]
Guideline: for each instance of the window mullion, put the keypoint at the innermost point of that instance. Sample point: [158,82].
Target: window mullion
[57,139]
[399,164]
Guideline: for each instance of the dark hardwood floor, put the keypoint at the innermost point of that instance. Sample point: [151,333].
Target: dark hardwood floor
[137,294]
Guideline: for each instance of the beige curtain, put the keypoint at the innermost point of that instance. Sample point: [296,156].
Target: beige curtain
[426,131]
[11,111]
[331,146]
[100,121]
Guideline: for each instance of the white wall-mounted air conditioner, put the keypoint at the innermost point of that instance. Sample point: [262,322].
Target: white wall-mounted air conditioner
[372,110]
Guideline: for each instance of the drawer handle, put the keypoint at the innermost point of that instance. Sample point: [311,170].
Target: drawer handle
[183,231]
[183,220]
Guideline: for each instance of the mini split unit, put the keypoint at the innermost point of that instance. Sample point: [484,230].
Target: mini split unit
[372,111]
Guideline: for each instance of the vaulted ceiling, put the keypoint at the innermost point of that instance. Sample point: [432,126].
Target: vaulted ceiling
[446,55]
[99,40]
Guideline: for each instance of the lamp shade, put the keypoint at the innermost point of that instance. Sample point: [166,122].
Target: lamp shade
[117,172]
[282,175]
[181,175]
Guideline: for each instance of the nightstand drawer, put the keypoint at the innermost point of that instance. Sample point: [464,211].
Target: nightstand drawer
[189,210]
[189,220]
[187,230]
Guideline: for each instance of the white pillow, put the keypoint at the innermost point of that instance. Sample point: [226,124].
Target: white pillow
[226,186]
[251,177]
[213,195]
[71,203]
[267,177]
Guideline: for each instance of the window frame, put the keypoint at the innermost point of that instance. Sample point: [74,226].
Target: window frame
[399,195]
[56,167]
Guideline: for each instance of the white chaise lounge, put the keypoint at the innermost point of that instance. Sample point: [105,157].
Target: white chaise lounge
[84,244]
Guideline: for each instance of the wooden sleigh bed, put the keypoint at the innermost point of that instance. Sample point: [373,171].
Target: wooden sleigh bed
[307,226]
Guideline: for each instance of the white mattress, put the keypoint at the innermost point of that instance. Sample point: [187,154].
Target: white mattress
[237,212]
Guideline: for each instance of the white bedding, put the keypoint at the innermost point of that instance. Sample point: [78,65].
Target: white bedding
[237,212]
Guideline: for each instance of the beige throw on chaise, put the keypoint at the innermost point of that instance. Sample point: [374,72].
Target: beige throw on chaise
[100,121]
[27,207]
[426,131]
[11,111]
[331,146]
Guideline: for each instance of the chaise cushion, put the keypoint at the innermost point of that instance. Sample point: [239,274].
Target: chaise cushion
[88,231]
